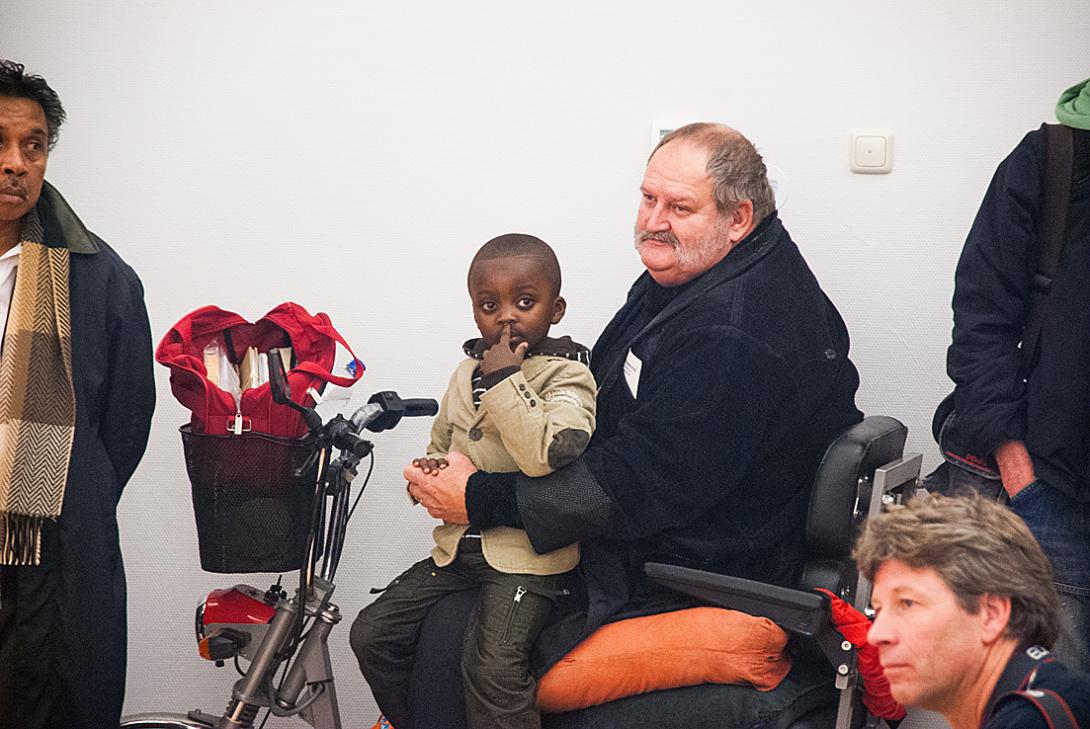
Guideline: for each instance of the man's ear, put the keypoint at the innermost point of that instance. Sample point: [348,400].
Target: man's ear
[995,615]
[559,307]
[740,222]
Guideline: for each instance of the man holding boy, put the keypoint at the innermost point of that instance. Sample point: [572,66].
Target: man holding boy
[721,382]
[522,401]
[966,613]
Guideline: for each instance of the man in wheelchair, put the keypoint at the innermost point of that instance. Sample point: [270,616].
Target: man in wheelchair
[722,380]
[966,613]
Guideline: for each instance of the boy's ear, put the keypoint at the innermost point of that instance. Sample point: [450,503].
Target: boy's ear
[559,307]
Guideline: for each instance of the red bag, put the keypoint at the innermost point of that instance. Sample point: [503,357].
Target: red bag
[313,341]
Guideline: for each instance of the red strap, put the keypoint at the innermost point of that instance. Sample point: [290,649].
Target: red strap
[288,315]
[854,626]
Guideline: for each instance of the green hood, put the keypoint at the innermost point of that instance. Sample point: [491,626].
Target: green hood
[1073,108]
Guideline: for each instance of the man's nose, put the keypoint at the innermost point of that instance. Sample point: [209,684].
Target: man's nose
[657,219]
[881,631]
[11,161]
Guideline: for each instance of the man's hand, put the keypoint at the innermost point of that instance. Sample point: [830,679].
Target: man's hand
[500,354]
[443,492]
[430,465]
[1015,466]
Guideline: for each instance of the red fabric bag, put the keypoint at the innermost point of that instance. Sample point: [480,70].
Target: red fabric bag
[313,341]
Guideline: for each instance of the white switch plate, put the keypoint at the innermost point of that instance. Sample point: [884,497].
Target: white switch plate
[870,151]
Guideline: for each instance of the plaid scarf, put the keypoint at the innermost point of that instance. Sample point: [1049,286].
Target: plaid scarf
[37,397]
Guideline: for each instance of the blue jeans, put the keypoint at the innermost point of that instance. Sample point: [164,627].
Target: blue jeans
[1062,527]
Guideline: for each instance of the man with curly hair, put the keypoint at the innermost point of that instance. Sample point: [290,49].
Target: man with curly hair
[76,397]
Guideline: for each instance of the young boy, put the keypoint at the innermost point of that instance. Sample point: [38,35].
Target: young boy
[521,402]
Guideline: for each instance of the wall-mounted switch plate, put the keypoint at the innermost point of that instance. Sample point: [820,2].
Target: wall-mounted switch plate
[871,151]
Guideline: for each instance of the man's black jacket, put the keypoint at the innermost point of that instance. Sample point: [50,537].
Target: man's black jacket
[995,401]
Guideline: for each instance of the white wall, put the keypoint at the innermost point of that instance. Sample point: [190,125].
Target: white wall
[352,156]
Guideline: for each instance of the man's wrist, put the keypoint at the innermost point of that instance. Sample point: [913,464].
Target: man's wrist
[491,500]
[1015,466]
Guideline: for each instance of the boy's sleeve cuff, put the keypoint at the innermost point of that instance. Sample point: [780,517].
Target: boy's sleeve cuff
[494,378]
[491,500]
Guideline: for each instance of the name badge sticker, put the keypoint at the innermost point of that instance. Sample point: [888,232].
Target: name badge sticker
[632,367]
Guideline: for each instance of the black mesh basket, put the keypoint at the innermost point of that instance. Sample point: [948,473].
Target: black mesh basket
[252,499]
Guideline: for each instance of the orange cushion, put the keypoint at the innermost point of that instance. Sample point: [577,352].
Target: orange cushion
[682,648]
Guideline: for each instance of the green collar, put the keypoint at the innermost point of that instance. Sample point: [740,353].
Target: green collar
[62,227]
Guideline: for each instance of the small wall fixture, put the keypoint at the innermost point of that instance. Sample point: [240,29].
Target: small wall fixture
[871,151]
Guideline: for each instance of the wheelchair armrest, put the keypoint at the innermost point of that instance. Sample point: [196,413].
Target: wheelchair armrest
[796,611]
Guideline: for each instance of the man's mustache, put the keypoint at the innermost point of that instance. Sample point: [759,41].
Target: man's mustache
[663,236]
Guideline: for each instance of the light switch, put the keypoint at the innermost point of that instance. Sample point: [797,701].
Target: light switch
[871,151]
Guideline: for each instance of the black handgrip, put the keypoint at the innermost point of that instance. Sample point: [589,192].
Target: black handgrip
[420,406]
[359,447]
[340,432]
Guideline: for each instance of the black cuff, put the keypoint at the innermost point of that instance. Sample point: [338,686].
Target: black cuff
[491,500]
[496,377]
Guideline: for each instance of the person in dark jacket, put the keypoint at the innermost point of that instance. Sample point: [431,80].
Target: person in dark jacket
[1035,423]
[966,613]
[721,381]
[76,398]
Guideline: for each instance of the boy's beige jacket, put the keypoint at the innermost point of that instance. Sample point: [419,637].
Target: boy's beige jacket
[512,431]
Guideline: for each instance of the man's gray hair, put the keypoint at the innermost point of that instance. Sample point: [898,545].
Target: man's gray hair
[735,167]
[978,547]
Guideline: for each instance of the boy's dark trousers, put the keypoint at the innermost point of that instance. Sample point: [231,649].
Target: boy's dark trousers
[510,612]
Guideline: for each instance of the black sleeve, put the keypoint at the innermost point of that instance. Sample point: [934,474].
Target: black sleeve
[991,295]
[491,501]
[129,388]
[686,444]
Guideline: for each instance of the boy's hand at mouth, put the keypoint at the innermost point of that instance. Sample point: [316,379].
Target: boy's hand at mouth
[500,355]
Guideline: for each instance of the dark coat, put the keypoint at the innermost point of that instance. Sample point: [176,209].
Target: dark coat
[995,402]
[744,381]
[115,396]
[1005,710]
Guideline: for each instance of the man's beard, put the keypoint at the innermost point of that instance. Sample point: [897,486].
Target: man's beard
[701,253]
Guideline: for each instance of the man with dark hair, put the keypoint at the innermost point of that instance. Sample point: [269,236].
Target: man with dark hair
[721,380]
[76,397]
[966,613]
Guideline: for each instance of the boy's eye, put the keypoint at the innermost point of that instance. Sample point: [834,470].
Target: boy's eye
[488,306]
[526,302]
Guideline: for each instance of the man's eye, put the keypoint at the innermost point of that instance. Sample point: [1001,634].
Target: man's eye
[681,209]
[649,198]
[906,603]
